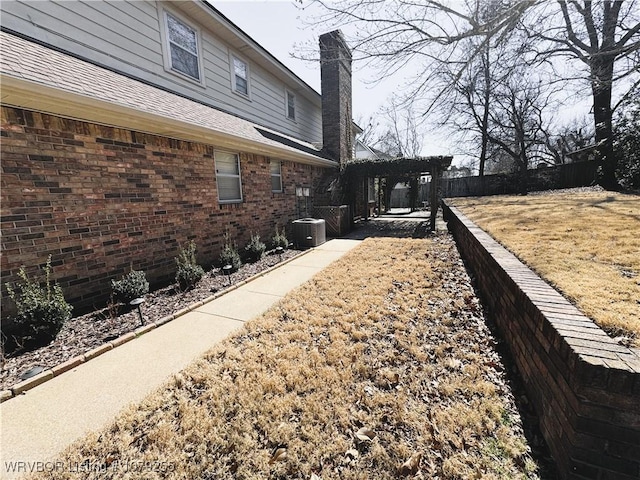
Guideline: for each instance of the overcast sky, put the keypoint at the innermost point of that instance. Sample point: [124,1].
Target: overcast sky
[277,26]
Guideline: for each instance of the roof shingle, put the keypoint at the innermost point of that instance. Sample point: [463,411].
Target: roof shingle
[36,63]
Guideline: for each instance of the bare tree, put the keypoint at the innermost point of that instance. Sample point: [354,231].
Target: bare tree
[517,124]
[396,132]
[466,107]
[560,142]
[370,127]
[470,82]
[404,127]
[604,35]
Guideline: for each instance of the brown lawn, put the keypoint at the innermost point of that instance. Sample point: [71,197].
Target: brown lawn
[381,367]
[586,244]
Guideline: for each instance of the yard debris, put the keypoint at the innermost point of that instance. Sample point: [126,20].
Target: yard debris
[411,466]
[387,379]
[278,454]
[352,454]
[354,388]
[365,434]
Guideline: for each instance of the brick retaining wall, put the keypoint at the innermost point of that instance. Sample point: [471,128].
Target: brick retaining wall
[102,200]
[585,387]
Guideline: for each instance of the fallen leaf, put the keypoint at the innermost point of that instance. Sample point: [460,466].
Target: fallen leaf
[352,454]
[365,434]
[387,379]
[279,454]
[410,467]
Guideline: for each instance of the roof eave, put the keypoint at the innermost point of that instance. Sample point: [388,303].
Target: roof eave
[31,95]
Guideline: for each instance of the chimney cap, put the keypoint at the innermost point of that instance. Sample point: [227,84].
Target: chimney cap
[334,42]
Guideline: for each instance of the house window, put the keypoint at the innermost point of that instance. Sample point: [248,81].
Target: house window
[240,76]
[228,177]
[276,176]
[183,47]
[291,105]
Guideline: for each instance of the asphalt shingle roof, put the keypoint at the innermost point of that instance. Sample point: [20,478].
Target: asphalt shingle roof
[33,62]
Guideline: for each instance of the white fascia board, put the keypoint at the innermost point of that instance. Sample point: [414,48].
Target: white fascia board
[30,95]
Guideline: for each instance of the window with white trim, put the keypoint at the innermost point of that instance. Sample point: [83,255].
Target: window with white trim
[228,177]
[183,50]
[276,176]
[291,105]
[240,76]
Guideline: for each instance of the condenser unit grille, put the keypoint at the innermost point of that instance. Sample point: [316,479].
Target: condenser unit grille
[309,232]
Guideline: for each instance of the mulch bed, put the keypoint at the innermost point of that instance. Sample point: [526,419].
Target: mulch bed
[86,332]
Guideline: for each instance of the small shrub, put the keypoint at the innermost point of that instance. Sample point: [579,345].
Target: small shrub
[188,271]
[41,311]
[230,255]
[279,239]
[133,285]
[255,248]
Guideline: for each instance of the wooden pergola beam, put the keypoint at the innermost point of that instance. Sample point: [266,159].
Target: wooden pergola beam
[397,166]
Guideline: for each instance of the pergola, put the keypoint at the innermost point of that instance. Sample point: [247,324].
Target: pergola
[402,166]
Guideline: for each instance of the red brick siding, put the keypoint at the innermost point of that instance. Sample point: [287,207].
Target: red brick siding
[102,200]
[586,387]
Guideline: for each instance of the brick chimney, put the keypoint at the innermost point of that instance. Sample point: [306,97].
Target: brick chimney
[337,120]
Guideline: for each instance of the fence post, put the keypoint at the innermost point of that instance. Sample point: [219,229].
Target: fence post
[433,194]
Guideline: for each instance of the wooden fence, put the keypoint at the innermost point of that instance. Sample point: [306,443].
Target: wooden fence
[569,175]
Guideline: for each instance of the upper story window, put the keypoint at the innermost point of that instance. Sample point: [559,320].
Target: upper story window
[240,75]
[276,176]
[228,177]
[182,48]
[291,105]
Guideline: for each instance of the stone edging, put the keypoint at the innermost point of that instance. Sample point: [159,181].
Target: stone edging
[50,373]
[584,385]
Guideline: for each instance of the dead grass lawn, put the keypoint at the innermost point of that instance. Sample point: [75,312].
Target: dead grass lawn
[587,245]
[381,367]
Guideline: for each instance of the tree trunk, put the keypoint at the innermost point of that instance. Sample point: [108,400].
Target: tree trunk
[485,116]
[602,74]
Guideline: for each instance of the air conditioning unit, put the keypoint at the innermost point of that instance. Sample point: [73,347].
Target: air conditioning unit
[309,232]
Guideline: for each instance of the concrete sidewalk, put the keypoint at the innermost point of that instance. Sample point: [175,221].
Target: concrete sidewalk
[38,425]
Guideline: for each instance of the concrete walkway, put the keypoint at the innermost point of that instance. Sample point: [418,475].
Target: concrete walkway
[39,424]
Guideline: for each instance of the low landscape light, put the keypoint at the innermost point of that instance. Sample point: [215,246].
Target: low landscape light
[227,271]
[137,302]
[280,251]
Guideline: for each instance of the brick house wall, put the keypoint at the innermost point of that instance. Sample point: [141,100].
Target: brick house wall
[585,387]
[103,200]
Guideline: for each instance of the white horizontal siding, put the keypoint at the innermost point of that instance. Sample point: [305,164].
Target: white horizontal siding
[78,27]
[126,36]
